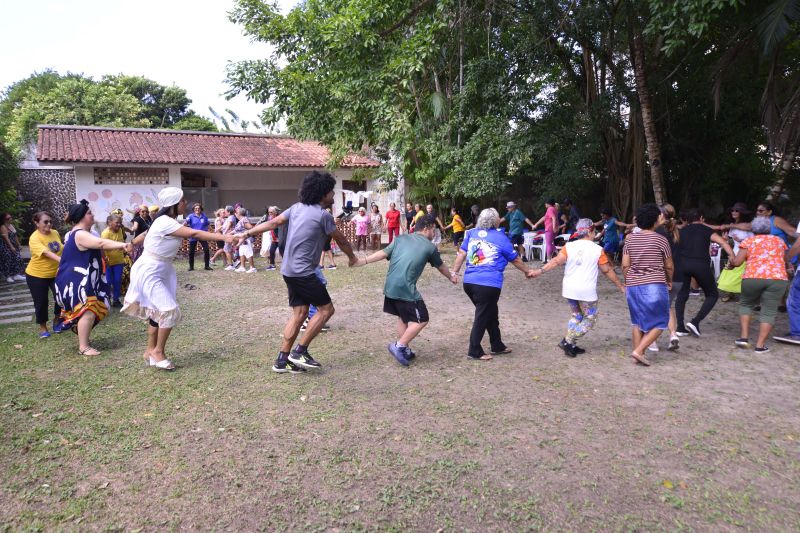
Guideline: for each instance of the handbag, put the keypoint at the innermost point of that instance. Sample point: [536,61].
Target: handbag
[731,280]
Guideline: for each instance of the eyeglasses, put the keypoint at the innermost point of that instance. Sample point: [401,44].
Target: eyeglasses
[47,221]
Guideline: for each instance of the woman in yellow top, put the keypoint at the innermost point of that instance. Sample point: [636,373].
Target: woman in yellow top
[458,227]
[115,259]
[45,245]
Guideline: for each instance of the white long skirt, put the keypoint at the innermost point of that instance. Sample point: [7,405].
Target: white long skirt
[152,292]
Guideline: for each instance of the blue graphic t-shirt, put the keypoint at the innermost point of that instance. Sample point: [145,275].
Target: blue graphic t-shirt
[610,233]
[488,253]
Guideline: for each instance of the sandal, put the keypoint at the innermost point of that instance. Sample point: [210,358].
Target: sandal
[500,352]
[484,357]
[640,359]
[164,364]
[190,287]
[88,351]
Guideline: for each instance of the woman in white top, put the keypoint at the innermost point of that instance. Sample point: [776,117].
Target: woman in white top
[739,214]
[583,259]
[152,292]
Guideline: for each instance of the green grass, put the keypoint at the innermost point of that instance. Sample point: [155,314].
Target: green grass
[529,442]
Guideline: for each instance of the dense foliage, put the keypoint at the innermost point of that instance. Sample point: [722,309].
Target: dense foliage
[612,102]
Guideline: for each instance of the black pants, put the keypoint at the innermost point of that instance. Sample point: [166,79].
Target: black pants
[700,270]
[193,247]
[39,288]
[486,318]
[273,247]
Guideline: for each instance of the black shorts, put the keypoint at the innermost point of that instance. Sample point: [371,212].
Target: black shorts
[406,311]
[307,290]
[458,236]
[327,246]
[220,245]
[517,239]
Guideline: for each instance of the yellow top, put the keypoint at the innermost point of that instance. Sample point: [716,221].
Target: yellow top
[418,216]
[458,224]
[114,257]
[41,266]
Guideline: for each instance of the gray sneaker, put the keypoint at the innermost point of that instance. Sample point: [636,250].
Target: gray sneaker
[788,338]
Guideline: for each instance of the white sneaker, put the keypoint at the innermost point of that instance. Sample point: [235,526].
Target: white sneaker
[230,267]
[251,270]
[9,279]
[236,263]
[241,269]
[19,277]
[653,347]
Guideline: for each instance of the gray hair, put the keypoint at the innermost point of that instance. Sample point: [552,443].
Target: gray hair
[229,209]
[241,211]
[761,225]
[488,219]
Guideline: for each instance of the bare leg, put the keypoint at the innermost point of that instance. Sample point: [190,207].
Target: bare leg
[161,344]
[85,325]
[152,337]
[324,313]
[763,332]
[292,328]
[645,340]
[744,323]
[412,330]
[401,328]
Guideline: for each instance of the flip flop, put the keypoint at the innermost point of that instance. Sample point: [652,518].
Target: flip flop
[190,287]
[89,351]
[640,359]
[484,357]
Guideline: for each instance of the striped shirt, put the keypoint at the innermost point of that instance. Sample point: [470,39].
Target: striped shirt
[647,251]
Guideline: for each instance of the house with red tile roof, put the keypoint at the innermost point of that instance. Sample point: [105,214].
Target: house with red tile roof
[124,167]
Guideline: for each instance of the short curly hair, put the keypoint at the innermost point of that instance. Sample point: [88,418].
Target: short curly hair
[315,186]
[647,216]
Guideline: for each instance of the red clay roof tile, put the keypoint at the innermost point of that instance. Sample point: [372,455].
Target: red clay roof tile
[89,144]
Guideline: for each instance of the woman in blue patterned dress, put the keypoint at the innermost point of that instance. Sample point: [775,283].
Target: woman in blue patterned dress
[81,287]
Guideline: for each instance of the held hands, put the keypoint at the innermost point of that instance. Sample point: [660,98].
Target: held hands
[454,278]
[128,249]
[530,274]
[235,239]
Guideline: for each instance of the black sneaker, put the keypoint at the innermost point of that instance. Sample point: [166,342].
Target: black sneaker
[326,327]
[693,329]
[788,338]
[577,349]
[569,351]
[116,303]
[742,343]
[283,366]
[409,354]
[305,325]
[763,349]
[682,333]
[694,292]
[304,360]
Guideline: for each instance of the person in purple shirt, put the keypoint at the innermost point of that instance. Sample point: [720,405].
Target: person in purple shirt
[199,221]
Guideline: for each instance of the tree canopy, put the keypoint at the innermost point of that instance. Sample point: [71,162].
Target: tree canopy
[114,101]
[612,101]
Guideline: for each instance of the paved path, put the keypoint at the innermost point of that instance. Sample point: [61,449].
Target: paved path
[15,303]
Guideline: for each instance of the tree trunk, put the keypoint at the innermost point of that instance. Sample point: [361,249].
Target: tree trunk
[650,135]
[782,170]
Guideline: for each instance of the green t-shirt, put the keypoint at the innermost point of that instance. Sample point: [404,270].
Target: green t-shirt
[408,254]
[516,222]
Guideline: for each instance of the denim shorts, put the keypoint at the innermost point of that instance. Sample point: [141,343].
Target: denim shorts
[649,306]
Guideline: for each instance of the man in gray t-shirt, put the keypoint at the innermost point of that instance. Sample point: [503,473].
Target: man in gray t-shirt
[309,225]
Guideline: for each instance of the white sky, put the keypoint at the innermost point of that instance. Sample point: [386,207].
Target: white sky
[185,42]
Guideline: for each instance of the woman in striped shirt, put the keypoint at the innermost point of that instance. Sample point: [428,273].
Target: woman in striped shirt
[647,267]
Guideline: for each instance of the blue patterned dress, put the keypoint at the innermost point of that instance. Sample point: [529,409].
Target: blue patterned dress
[81,284]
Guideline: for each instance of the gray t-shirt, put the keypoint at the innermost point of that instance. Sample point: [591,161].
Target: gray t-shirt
[309,227]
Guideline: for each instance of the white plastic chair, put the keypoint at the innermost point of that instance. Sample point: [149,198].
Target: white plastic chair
[529,246]
[716,254]
[565,236]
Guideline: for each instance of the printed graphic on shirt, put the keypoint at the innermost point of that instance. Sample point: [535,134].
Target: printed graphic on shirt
[54,246]
[482,252]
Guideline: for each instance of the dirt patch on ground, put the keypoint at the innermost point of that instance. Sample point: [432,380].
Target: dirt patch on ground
[706,438]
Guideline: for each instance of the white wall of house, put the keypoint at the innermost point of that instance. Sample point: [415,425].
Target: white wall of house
[105,198]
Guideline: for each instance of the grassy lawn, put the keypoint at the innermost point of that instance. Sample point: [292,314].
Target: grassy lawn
[705,439]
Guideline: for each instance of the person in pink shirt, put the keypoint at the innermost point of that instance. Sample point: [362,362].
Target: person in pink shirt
[361,222]
[550,221]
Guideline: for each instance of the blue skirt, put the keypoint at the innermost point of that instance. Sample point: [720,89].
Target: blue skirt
[649,306]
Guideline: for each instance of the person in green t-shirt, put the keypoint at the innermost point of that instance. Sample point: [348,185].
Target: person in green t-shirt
[516,220]
[408,254]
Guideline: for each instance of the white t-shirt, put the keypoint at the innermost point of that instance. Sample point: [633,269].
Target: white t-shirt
[580,272]
[159,241]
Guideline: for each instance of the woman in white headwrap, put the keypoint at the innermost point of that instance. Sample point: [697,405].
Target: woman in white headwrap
[152,292]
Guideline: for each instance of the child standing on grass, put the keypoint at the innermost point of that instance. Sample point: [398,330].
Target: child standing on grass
[246,247]
[407,257]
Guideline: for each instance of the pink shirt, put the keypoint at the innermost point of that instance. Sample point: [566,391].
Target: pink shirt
[548,218]
[362,224]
